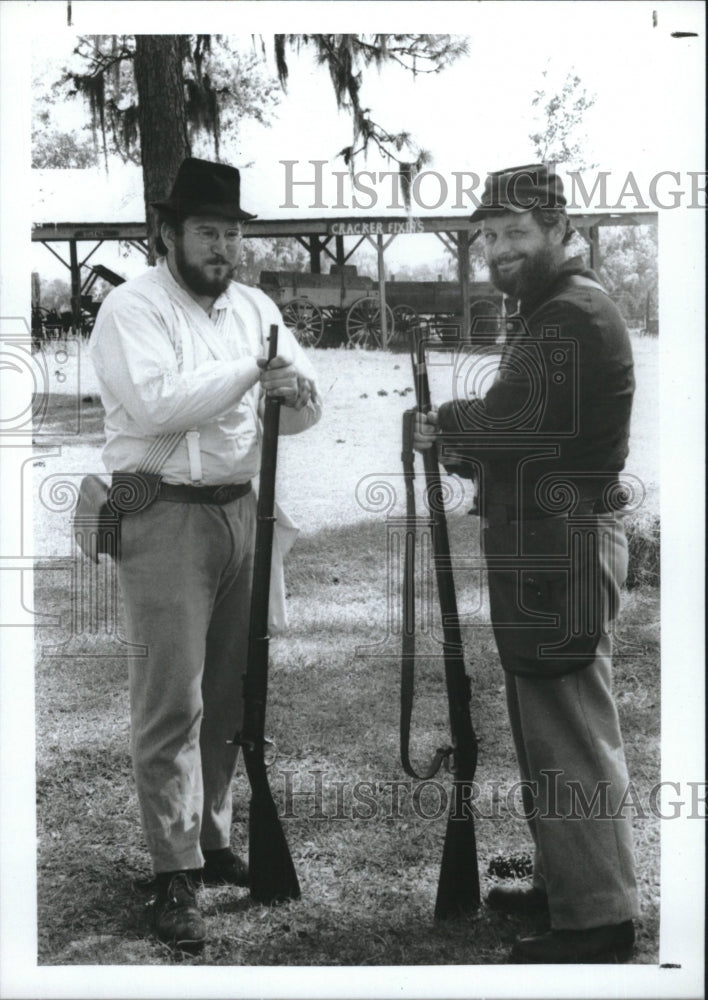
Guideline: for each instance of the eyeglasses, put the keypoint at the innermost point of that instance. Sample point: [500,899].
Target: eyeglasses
[208,235]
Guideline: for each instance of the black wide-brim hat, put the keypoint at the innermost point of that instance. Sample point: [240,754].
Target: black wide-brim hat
[205,188]
[519,189]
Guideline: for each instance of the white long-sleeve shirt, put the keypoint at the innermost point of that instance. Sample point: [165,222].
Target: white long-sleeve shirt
[165,365]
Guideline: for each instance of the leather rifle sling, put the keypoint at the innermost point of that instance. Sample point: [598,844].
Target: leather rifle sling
[408,616]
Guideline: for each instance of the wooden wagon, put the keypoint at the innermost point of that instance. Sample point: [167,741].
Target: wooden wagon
[344,306]
[316,306]
[436,306]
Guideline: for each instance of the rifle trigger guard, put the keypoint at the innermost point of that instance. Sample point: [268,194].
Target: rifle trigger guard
[250,745]
[441,758]
[273,756]
[239,741]
[445,754]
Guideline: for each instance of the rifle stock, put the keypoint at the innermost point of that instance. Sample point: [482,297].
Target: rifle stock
[458,884]
[272,873]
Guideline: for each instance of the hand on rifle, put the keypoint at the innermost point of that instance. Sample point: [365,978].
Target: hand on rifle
[425,430]
[281,380]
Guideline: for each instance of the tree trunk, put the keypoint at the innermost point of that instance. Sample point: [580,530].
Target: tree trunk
[161,119]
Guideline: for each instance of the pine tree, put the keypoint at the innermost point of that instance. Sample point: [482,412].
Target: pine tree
[177,99]
[162,121]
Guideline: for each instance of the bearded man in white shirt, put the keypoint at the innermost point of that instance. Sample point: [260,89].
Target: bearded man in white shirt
[180,354]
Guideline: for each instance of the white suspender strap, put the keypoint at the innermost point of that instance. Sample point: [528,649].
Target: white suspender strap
[195,457]
[193,450]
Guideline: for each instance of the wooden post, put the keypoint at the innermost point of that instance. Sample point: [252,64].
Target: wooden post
[315,255]
[382,291]
[594,233]
[463,269]
[75,287]
[339,250]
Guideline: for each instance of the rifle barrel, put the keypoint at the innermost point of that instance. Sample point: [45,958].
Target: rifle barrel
[458,885]
[272,873]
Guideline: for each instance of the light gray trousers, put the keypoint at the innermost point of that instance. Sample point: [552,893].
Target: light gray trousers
[185,577]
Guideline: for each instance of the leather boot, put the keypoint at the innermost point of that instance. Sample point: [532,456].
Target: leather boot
[610,943]
[223,867]
[178,921]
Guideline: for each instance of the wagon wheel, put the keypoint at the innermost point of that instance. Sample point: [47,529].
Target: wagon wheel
[305,320]
[407,321]
[364,323]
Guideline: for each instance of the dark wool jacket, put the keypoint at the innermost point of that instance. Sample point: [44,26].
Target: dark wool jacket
[559,408]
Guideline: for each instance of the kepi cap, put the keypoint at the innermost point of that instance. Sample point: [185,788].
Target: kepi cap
[519,189]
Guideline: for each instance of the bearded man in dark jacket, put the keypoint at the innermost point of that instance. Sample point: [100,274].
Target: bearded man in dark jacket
[547,445]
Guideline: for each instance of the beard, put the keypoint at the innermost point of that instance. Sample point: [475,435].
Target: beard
[532,273]
[197,278]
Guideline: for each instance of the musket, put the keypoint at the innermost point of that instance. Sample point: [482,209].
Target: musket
[272,873]
[458,884]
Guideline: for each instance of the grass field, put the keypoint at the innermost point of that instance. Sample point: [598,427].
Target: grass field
[365,843]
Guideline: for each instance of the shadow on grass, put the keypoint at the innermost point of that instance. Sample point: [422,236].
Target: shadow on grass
[87,827]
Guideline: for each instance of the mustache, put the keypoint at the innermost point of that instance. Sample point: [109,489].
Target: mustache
[507,260]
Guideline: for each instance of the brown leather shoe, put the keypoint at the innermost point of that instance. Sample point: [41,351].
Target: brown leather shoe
[519,902]
[178,921]
[610,943]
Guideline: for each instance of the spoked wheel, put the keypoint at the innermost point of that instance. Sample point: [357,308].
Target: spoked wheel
[364,323]
[305,320]
[407,323]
